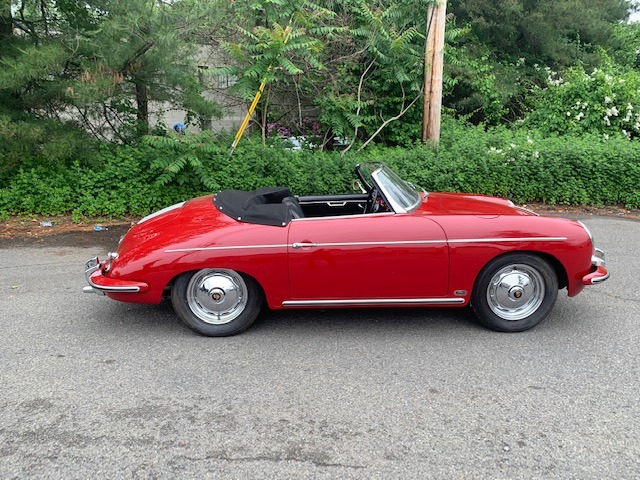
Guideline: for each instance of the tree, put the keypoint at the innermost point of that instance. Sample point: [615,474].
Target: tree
[378,78]
[508,42]
[359,62]
[273,43]
[103,62]
[550,32]
[6,22]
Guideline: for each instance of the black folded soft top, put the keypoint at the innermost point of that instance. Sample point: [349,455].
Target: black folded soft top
[262,206]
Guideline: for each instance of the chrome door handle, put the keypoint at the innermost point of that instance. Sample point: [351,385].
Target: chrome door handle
[303,245]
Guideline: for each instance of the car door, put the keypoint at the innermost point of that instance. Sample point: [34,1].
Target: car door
[375,256]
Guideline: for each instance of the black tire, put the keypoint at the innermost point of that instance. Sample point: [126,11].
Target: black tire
[217,302]
[514,292]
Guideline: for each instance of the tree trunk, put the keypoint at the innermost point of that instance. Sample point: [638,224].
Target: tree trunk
[142,101]
[6,22]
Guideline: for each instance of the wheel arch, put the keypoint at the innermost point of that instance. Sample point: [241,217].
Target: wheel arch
[558,267]
[191,271]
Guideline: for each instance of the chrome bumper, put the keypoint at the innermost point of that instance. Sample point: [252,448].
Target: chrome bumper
[90,266]
[108,286]
[598,272]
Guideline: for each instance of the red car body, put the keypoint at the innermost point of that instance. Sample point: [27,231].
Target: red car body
[431,255]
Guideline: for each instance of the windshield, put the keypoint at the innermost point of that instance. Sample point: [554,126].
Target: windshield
[400,195]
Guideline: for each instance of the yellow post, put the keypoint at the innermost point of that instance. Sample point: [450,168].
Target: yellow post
[256,99]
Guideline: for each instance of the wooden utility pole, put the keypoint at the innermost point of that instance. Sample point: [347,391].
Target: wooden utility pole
[433,60]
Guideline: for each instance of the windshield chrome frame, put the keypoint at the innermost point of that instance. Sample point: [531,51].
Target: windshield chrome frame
[392,200]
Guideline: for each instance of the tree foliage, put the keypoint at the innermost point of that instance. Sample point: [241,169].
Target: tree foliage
[605,102]
[508,42]
[357,63]
[102,62]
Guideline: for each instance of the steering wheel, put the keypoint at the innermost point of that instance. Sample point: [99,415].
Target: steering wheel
[372,205]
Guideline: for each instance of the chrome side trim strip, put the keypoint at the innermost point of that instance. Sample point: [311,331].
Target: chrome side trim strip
[368,244]
[511,239]
[373,301]
[230,247]
[332,217]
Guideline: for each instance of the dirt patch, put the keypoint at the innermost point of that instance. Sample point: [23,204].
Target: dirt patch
[62,231]
[570,211]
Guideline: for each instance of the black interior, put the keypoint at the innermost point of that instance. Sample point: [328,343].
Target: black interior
[333,205]
[277,206]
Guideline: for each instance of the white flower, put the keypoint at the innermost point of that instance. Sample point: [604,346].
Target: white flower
[612,112]
[606,136]
[579,116]
[529,140]
[607,99]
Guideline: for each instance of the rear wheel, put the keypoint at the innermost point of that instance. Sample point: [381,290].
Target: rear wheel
[216,302]
[515,292]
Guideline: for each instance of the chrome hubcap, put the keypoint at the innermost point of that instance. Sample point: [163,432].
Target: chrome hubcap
[515,292]
[217,296]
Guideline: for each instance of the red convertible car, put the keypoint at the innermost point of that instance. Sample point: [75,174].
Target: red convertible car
[221,257]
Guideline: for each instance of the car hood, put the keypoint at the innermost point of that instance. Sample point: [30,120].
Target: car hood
[469,204]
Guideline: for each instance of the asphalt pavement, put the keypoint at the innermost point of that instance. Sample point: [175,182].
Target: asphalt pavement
[92,388]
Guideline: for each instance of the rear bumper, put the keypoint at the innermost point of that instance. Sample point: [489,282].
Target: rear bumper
[101,284]
[598,272]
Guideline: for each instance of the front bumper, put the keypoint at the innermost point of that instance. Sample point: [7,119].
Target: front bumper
[598,272]
[101,284]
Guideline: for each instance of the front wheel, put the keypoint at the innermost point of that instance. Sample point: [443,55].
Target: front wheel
[514,292]
[216,302]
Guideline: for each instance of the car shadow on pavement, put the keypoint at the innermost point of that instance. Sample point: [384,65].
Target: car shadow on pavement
[161,318]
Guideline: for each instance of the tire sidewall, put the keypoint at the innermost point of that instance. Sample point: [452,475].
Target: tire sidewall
[481,306]
[255,300]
